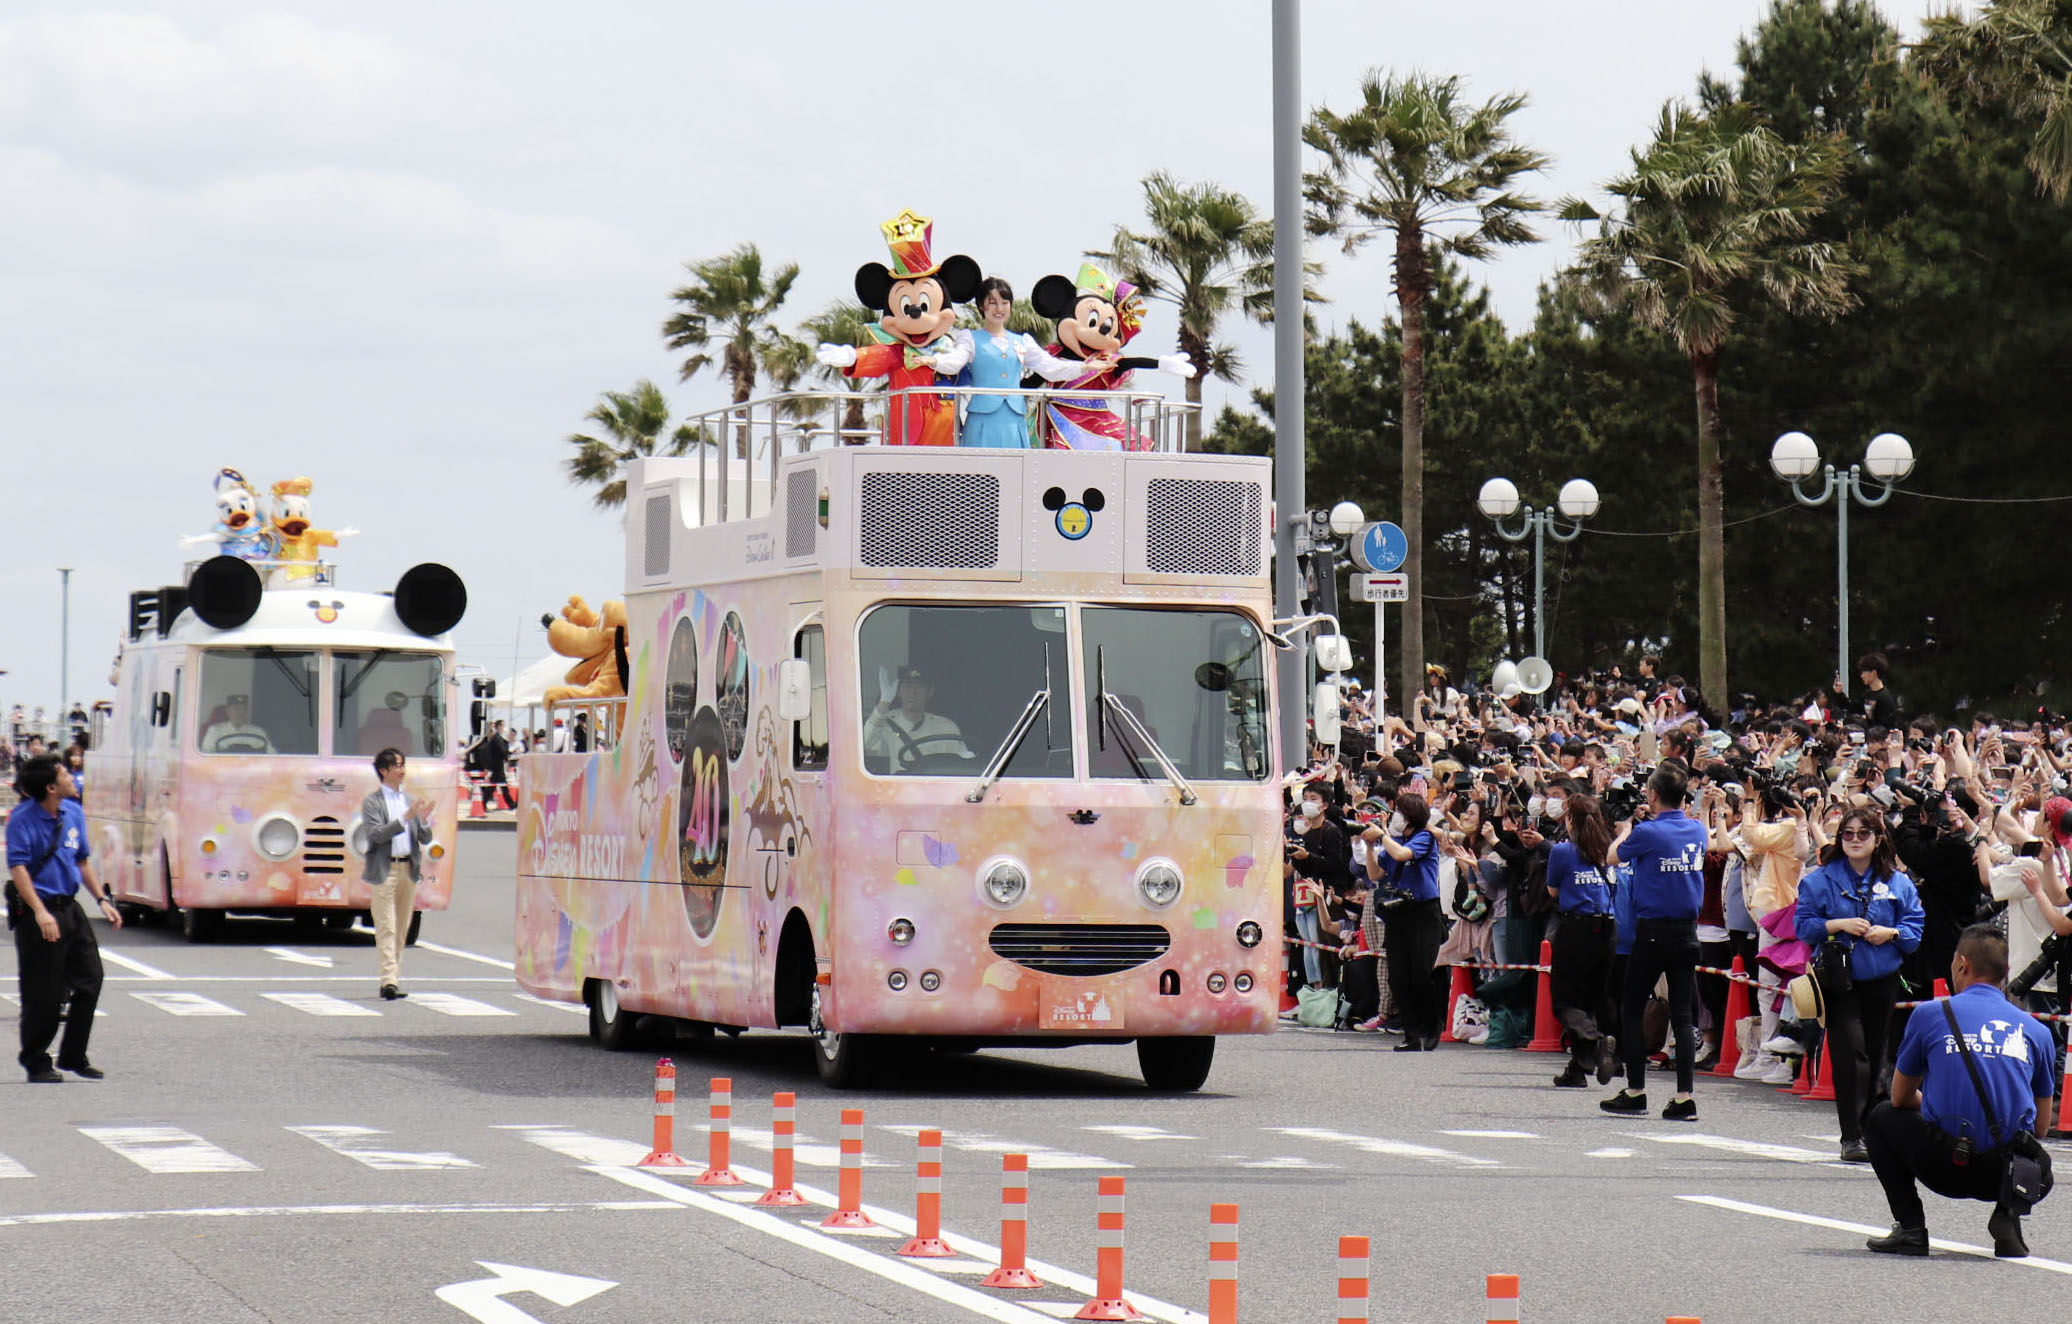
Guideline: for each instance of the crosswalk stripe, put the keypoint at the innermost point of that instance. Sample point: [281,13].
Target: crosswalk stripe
[1144,1133]
[10,1168]
[573,1008]
[320,1004]
[1040,1156]
[186,1004]
[453,1004]
[1749,1148]
[167,1149]
[580,1145]
[16,1000]
[1381,1145]
[355,1143]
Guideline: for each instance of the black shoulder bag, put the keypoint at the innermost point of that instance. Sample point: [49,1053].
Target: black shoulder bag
[2028,1177]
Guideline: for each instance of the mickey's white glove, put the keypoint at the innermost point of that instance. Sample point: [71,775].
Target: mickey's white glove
[196,540]
[1177,364]
[888,685]
[837,356]
[949,363]
[346,533]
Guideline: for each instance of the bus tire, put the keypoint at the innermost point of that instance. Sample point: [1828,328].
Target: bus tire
[611,1025]
[339,919]
[416,923]
[844,1061]
[198,924]
[1177,1065]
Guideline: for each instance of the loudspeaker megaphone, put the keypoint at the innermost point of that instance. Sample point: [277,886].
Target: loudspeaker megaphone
[1503,676]
[1535,675]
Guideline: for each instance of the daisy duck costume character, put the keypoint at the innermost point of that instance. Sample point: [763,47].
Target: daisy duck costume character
[916,347]
[999,359]
[296,539]
[239,531]
[1096,316]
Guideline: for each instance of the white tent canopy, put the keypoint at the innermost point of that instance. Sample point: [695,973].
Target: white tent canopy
[527,688]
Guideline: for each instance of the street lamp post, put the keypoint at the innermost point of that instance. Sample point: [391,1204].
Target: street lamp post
[1577,501]
[64,643]
[1889,458]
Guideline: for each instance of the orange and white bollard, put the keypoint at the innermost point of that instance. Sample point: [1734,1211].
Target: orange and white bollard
[927,1242]
[1222,1264]
[1682,1319]
[1014,1226]
[664,1154]
[1352,1280]
[1107,1301]
[783,1171]
[1503,1298]
[719,1147]
[849,1190]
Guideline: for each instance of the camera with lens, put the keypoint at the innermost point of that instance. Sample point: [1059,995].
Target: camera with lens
[1621,800]
[1387,895]
[2055,949]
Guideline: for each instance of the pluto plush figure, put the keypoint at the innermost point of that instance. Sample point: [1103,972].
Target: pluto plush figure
[597,640]
[913,299]
[295,540]
[239,530]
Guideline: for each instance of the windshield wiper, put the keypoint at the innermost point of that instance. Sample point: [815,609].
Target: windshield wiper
[1127,728]
[1038,702]
[365,671]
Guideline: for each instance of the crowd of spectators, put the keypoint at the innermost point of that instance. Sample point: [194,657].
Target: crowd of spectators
[1841,836]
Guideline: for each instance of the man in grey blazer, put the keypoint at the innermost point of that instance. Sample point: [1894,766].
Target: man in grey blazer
[398,830]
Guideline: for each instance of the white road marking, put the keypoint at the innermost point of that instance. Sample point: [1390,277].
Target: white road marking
[133,964]
[1148,1134]
[602,1151]
[573,1008]
[186,1004]
[167,1149]
[294,957]
[16,999]
[1865,1229]
[1609,1153]
[320,1004]
[1288,1161]
[808,1152]
[319,979]
[1379,1145]
[483,1299]
[444,950]
[10,1168]
[262,1211]
[1040,1156]
[1492,1135]
[453,1004]
[355,1143]
[1729,1145]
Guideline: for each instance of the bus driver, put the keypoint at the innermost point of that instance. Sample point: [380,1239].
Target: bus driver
[236,733]
[912,732]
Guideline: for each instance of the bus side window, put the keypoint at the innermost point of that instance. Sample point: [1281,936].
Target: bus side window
[809,737]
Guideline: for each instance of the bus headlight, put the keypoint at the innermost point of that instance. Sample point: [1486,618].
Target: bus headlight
[931,980]
[1243,982]
[1004,882]
[1218,982]
[277,837]
[1249,934]
[901,931]
[1158,882]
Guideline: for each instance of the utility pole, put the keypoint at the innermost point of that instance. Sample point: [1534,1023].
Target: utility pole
[64,644]
[1288,444]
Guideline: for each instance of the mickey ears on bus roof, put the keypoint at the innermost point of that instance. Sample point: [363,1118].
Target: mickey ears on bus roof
[430,599]
[224,592]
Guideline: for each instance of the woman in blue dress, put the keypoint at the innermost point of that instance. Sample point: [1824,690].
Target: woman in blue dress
[999,358]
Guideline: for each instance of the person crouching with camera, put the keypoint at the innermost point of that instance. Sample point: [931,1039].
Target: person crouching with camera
[1971,1102]
[1860,917]
[1407,868]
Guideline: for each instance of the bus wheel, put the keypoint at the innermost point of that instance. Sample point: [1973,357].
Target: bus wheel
[416,923]
[610,1024]
[338,919]
[843,1060]
[1176,1065]
[200,925]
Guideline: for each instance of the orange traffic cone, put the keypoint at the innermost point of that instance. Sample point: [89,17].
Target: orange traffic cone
[1546,1031]
[1730,1029]
[1942,988]
[1823,1090]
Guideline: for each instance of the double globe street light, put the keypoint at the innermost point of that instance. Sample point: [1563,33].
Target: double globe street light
[1577,502]
[1889,459]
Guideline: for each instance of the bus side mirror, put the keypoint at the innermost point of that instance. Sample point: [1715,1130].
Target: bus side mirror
[1325,713]
[162,708]
[1334,652]
[794,689]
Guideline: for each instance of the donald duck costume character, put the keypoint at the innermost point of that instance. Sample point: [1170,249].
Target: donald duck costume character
[913,299]
[297,541]
[239,531]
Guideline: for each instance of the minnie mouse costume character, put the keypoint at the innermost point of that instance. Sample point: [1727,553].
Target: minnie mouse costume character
[1096,316]
[915,322]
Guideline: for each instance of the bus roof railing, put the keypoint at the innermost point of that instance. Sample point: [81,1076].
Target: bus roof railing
[282,574]
[738,446]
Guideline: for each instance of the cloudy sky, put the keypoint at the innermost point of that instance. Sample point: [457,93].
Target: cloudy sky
[401,247]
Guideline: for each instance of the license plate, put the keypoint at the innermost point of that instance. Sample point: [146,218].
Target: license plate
[1066,1008]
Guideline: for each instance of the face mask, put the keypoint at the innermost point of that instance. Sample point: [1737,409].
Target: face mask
[1535,806]
[1312,809]
[1554,808]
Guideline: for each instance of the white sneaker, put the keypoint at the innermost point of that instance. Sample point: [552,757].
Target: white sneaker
[1784,1073]
[1480,1036]
[1783,1045]
[1755,1066]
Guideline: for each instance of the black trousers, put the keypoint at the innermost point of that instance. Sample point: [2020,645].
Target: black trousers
[1905,1147]
[50,970]
[1661,947]
[1859,1024]
[1412,934]
[1581,981]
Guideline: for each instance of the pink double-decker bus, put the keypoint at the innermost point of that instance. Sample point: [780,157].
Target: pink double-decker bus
[966,746]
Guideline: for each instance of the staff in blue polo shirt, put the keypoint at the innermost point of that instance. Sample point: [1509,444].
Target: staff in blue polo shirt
[1585,933]
[54,945]
[1858,906]
[1953,1135]
[1667,852]
[1413,927]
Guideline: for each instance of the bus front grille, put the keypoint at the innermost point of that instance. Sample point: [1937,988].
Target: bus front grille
[323,847]
[1080,949]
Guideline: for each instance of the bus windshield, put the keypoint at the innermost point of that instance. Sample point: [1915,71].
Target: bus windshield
[389,700]
[257,701]
[1193,679]
[943,686]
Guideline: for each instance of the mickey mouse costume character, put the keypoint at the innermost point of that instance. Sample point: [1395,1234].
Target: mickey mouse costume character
[1096,316]
[239,531]
[916,346]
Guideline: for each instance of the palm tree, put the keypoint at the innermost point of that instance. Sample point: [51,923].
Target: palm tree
[1416,161]
[632,423]
[1206,252]
[1715,216]
[842,322]
[2016,54]
[730,299]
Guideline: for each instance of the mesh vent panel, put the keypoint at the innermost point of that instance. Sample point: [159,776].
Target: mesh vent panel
[656,561]
[801,512]
[930,521]
[1202,526]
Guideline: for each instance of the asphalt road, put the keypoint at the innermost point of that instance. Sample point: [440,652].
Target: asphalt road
[274,1142]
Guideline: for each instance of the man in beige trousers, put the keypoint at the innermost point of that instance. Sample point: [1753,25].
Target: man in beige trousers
[397,830]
